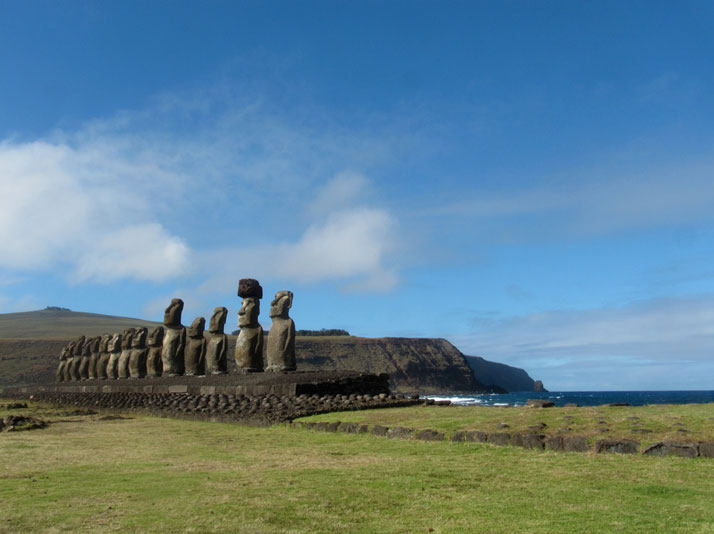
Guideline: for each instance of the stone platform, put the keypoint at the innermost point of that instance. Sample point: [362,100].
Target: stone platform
[283,384]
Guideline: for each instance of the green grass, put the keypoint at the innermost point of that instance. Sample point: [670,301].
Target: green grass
[664,421]
[150,474]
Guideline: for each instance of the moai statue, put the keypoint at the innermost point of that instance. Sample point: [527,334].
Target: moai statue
[216,363]
[103,360]
[77,358]
[114,347]
[59,376]
[153,358]
[93,357]
[174,339]
[137,359]
[195,351]
[68,361]
[84,362]
[123,364]
[281,340]
[249,345]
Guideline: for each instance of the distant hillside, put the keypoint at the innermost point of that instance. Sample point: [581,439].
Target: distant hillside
[509,378]
[32,342]
[61,323]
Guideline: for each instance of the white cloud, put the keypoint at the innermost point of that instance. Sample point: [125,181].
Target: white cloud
[595,202]
[342,192]
[65,205]
[571,348]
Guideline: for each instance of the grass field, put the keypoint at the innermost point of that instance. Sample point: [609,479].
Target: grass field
[90,473]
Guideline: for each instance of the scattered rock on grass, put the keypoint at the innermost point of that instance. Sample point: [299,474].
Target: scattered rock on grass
[540,403]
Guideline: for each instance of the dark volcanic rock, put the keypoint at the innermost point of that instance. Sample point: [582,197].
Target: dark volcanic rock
[575,444]
[540,403]
[400,432]
[499,438]
[669,448]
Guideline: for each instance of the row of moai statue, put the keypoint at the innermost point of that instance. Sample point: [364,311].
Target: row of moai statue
[174,350]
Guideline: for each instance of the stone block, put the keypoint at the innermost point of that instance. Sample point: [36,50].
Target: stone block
[670,448]
[181,388]
[400,432]
[476,436]
[350,428]
[459,436]
[379,430]
[553,443]
[706,449]
[575,444]
[620,446]
[363,429]
[499,438]
[528,440]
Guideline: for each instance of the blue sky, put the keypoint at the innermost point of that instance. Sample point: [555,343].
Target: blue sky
[533,181]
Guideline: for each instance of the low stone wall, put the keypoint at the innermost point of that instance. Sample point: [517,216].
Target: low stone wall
[525,440]
[250,409]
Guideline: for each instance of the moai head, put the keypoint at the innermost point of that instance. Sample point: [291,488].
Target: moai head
[196,328]
[78,346]
[218,320]
[172,315]
[87,348]
[139,339]
[70,349]
[104,344]
[96,341]
[63,353]
[249,288]
[156,337]
[248,313]
[281,304]
[126,338]
[115,343]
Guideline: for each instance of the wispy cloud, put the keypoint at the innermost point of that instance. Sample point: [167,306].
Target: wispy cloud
[592,202]
[568,347]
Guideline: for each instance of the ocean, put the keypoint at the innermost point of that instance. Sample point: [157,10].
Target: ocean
[582,398]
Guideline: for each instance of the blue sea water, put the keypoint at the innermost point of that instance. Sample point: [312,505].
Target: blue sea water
[582,398]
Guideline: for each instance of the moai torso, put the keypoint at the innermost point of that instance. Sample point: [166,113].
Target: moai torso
[153,357]
[114,354]
[280,354]
[249,345]
[137,360]
[77,358]
[216,348]
[123,364]
[195,351]
[94,357]
[174,340]
[103,360]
